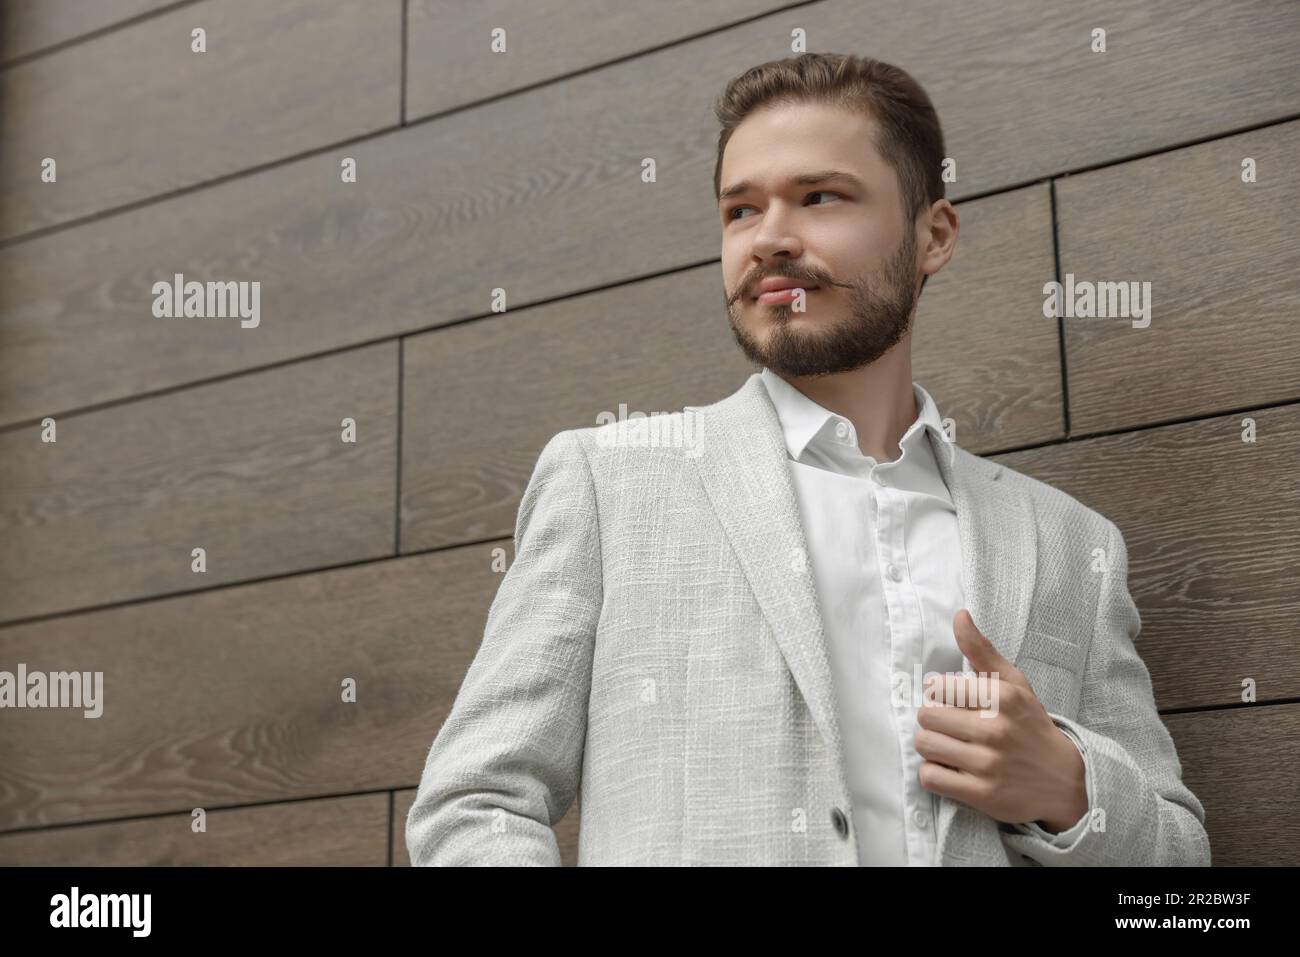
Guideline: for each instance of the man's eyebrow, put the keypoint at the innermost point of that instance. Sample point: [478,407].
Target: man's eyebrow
[803,179]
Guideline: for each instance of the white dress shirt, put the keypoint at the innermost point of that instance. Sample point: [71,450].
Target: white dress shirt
[862,518]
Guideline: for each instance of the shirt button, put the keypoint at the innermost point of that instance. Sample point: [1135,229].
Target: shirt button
[920,818]
[842,429]
[895,573]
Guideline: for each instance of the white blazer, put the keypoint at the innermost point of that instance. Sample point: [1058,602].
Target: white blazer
[657,644]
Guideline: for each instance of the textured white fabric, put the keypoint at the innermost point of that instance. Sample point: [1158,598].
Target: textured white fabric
[656,645]
[860,516]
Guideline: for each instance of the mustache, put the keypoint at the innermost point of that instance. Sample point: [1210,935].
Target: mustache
[747,287]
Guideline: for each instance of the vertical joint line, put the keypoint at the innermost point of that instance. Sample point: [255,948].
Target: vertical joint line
[1060,319]
[401,115]
[391,813]
[397,520]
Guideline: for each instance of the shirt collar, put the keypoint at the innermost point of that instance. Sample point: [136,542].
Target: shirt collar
[802,418]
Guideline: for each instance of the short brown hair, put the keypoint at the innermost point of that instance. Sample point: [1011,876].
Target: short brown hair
[909,138]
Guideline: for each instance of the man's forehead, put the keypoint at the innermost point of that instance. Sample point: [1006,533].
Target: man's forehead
[752,159]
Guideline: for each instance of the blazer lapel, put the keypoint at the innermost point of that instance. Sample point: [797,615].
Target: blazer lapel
[999,565]
[743,465]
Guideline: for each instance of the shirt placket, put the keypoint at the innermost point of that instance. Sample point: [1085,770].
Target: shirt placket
[905,642]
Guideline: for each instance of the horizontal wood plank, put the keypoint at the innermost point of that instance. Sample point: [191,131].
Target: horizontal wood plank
[29,26]
[334,832]
[1223,265]
[136,113]
[235,695]
[1239,763]
[451,58]
[254,470]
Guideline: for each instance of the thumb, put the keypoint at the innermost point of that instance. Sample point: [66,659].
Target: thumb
[982,654]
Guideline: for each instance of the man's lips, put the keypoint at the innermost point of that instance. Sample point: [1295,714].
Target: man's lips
[786,294]
[774,283]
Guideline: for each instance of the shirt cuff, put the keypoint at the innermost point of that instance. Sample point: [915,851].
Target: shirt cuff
[1067,837]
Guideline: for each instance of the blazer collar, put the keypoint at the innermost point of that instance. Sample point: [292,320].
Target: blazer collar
[743,467]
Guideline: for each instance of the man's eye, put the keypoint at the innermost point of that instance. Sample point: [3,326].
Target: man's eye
[731,213]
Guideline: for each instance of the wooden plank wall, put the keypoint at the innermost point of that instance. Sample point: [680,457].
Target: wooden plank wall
[373,560]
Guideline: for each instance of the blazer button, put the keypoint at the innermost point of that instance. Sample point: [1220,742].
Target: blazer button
[840,822]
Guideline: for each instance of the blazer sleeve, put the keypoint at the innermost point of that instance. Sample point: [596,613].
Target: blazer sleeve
[1147,816]
[506,764]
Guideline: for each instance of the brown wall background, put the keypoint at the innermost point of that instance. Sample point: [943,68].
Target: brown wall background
[373,560]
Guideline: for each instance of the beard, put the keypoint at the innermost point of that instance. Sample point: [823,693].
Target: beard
[879,314]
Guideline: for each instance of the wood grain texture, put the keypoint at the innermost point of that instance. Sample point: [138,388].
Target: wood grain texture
[520,377]
[231,695]
[450,60]
[1021,95]
[234,695]
[333,832]
[981,346]
[28,26]
[252,469]
[539,193]
[1016,84]
[664,343]
[135,113]
[1224,267]
[566,831]
[1212,526]
[1240,763]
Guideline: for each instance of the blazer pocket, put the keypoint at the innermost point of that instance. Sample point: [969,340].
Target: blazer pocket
[1054,667]
[1053,650]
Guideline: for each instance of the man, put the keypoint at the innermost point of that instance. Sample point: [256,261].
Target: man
[722,642]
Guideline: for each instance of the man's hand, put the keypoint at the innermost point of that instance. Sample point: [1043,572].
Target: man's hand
[1009,760]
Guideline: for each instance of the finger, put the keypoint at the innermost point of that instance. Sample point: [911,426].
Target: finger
[951,752]
[964,724]
[946,782]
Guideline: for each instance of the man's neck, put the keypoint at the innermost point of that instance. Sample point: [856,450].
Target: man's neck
[876,398]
